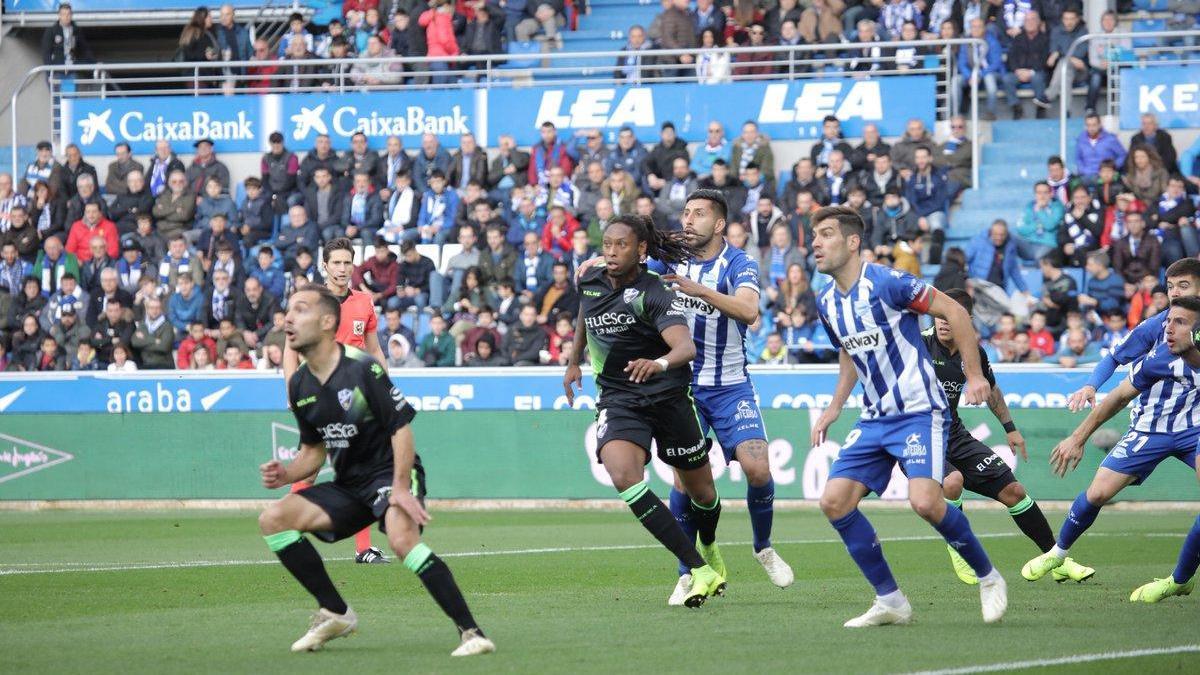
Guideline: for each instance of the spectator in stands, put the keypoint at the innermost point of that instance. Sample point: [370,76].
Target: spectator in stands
[1037,227]
[831,140]
[760,63]
[458,264]
[151,245]
[752,147]
[1027,60]
[370,71]
[256,215]
[1104,290]
[85,193]
[178,262]
[465,303]
[21,235]
[525,340]
[756,187]
[894,14]
[324,204]
[630,62]
[1099,53]
[48,358]
[185,306]
[432,157]
[1139,253]
[821,21]
[712,60]
[903,152]
[483,33]
[707,16]
[321,156]
[413,286]
[26,339]
[1095,145]
[85,358]
[714,147]
[402,211]
[31,301]
[992,263]
[509,169]
[217,235]
[484,331]
[776,352]
[722,181]
[400,353]
[394,158]
[645,208]
[44,168]
[233,38]
[836,177]
[162,164]
[213,202]
[63,43]
[8,200]
[893,222]
[928,193]
[588,147]
[296,31]
[620,191]
[534,269]
[438,348]
[153,337]
[659,164]
[378,275]
[558,297]
[1150,135]
[556,234]
[198,44]
[542,20]
[47,211]
[13,269]
[805,179]
[438,22]
[227,335]
[300,231]
[220,301]
[68,329]
[676,30]
[89,271]
[439,205]
[304,271]
[1060,179]
[988,58]
[204,166]
[674,193]
[1109,185]
[499,260]
[781,254]
[1082,226]
[255,313]
[111,330]
[1174,216]
[235,359]
[629,156]
[121,360]
[119,169]
[877,180]
[261,76]
[1062,35]
[955,155]
[1059,296]
[134,200]
[547,153]
[92,224]
[280,168]
[590,189]
[1077,351]
[362,212]
[196,341]
[862,158]
[52,263]
[1144,174]
[468,163]
[70,293]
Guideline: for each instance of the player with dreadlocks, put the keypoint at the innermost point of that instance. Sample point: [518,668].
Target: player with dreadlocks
[641,352]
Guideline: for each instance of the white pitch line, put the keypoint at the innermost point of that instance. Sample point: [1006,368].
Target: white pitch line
[10,569]
[1064,660]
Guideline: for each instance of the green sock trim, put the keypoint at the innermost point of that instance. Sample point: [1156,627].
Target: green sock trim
[956,503]
[417,557]
[710,507]
[281,540]
[1021,506]
[635,493]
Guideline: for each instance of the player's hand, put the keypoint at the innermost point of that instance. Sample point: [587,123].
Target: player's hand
[641,370]
[571,379]
[1086,396]
[976,390]
[1066,456]
[685,285]
[1017,442]
[403,499]
[587,265]
[826,420]
[274,474]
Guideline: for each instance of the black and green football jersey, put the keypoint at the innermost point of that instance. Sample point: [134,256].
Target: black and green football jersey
[354,414]
[624,324]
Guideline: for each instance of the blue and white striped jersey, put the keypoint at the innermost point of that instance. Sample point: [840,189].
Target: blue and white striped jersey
[720,340]
[1170,399]
[1137,344]
[876,324]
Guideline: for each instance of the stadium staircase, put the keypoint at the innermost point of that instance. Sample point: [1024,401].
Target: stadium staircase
[605,29]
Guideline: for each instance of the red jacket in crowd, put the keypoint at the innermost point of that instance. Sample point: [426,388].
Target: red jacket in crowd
[79,241]
[439,33]
[358,6]
[558,245]
[384,276]
[541,158]
[183,359]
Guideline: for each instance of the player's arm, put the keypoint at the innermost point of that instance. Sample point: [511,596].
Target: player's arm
[403,456]
[683,350]
[1135,345]
[1000,409]
[392,411]
[574,375]
[307,463]
[1066,454]
[742,306]
[847,378]
[976,390]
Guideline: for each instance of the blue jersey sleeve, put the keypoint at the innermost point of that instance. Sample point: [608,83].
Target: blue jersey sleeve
[1136,344]
[904,291]
[743,273]
[1144,374]
[657,267]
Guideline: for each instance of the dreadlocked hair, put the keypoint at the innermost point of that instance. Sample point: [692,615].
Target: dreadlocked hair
[667,247]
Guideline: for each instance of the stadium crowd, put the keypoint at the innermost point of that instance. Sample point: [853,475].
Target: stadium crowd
[470,255]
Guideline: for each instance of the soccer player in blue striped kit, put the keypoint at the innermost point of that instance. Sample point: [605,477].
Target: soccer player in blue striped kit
[719,290]
[1165,423]
[871,312]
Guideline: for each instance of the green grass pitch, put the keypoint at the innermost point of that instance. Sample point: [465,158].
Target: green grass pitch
[578,592]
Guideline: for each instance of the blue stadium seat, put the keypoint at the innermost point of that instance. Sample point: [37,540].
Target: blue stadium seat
[1147,26]
[1150,5]
[531,49]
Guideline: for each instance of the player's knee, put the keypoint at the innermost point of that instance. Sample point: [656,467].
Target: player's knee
[952,485]
[931,509]
[272,520]
[403,541]
[758,474]
[835,506]
[1099,495]
[1012,494]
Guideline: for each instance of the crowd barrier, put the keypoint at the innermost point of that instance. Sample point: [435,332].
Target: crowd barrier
[488,434]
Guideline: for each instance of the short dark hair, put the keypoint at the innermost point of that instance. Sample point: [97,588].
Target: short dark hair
[715,198]
[406,246]
[848,219]
[437,173]
[752,165]
[961,297]
[1190,303]
[253,182]
[1184,267]
[1055,159]
[327,302]
[336,244]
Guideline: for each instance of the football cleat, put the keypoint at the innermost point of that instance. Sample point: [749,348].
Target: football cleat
[712,556]
[1072,571]
[962,569]
[1161,589]
[779,572]
[371,556]
[1041,566]
[682,587]
[993,597]
[326,626]
[883,615]
[705,584]
[473,644]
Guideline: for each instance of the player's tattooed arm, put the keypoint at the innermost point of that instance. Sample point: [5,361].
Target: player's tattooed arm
[1066,454]
[1000,409]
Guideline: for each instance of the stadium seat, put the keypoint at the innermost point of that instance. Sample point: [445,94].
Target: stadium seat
[239,194]
[448,252]
[430,251]
[532,50]
[1147,26]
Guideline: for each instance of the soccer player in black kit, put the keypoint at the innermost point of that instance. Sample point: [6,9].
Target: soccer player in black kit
[642,351]
[974,466]
[346,406]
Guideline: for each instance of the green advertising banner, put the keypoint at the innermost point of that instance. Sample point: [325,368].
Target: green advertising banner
[467,455]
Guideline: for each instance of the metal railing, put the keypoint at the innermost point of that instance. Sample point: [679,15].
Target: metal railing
[788,63]
[1113,72]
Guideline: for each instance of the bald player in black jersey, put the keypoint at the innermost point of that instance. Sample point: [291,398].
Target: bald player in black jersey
[974,466]
[347,408]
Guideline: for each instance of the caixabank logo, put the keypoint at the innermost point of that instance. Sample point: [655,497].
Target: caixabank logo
[20,458]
